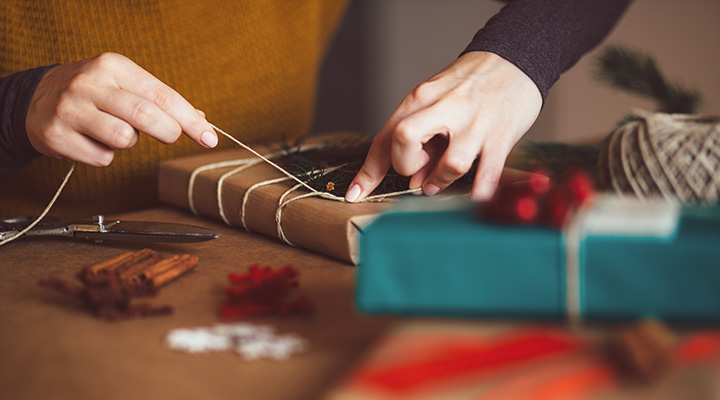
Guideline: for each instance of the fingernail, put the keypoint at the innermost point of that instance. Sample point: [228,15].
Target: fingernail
[431,189]
[353,193]
[201,112]
[415,188]
[483,193]
[209,139]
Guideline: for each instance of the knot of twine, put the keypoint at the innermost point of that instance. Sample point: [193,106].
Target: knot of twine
[675,156]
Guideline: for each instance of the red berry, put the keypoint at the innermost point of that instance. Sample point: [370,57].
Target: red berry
[540,184]
[558,208]
[581,186]
[526,209]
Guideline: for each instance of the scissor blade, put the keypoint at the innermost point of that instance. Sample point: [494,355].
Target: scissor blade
[142,231]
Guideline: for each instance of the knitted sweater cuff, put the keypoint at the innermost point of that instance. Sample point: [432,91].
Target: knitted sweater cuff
[544,38]
[16,91]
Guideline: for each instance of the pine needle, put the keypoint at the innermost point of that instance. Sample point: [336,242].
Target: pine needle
[637,72]
[557,158]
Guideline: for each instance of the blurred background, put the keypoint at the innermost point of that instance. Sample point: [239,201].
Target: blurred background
[384,48]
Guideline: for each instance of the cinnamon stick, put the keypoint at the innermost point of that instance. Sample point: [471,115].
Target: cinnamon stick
[106,264]
[138,268]
[135,258]
[120,262]
[182,266]
[165,265]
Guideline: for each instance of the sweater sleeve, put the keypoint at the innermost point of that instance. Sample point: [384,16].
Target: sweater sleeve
[544,38]
[16,90]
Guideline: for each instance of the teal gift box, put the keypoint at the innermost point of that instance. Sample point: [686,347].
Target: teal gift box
[618,263]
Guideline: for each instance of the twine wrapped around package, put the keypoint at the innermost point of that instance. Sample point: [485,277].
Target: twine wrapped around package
[664,155]
[241,189]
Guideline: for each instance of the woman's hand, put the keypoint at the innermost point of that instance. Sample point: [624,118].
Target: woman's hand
[480,105]
[86,110]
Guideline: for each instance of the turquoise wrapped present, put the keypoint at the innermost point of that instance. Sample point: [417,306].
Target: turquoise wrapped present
[619,260]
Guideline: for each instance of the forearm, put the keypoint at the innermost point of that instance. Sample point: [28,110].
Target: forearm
[16,90]
[544,38]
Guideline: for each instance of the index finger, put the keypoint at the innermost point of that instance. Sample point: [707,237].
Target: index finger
[144,84]
[376,165]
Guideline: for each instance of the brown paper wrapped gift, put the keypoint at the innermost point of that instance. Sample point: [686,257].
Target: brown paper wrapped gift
[325,226]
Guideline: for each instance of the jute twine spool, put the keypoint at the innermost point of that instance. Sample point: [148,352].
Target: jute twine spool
[664,155]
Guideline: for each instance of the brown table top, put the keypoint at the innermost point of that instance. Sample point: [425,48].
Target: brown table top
[52,348]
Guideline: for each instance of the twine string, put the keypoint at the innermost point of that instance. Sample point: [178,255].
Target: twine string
[664,155]
[324,195]
[246,196]
[572,238]
[47,209]
[278,213]
[282,203]
[197,171]
[221,181]
[260,156]
[240,164]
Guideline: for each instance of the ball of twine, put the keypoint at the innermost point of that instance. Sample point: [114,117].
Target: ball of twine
[664,155]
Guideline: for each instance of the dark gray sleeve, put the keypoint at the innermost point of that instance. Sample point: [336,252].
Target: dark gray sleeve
[544,38]
[16,90]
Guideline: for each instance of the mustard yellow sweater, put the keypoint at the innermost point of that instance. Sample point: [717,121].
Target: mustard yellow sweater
[251,65]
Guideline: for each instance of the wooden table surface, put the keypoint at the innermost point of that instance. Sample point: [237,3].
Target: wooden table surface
[52,348]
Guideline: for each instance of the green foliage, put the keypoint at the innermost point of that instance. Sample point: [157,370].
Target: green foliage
[315,166]
[637,72]
[558,158]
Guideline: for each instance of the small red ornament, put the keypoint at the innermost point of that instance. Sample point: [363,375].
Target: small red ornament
[581,186]
[538,200]
[526,208]
[539,182]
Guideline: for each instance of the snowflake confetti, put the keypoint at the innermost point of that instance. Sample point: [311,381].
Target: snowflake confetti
[252,342]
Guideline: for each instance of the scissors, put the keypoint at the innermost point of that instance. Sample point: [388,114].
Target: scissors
[100,230]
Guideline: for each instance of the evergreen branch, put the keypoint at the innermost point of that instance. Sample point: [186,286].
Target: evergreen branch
[557,158]
[637,72]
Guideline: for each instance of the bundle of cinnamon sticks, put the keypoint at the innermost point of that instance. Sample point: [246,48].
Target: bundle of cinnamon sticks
[145,266]
[109,286]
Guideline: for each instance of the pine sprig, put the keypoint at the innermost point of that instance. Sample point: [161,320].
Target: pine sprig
[637,72]
[313,166]
[557,158]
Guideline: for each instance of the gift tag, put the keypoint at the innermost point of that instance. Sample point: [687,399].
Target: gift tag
[631,217]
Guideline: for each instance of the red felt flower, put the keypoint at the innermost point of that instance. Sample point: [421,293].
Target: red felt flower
[262,291]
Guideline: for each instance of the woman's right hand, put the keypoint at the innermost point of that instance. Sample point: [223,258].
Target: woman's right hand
[86,110]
